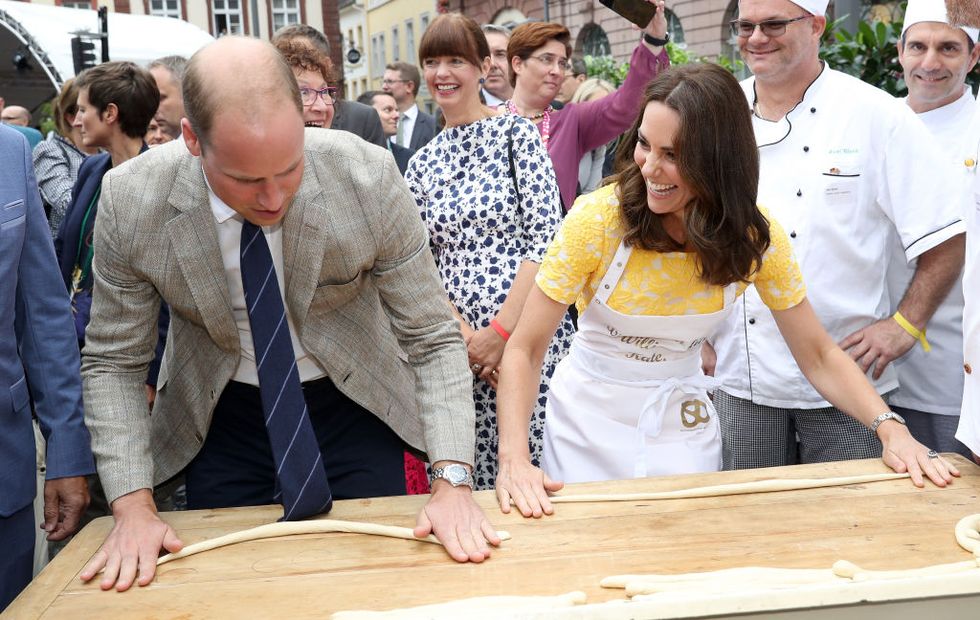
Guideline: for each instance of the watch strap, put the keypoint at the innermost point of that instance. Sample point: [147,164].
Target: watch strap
[888,415]
[654,41]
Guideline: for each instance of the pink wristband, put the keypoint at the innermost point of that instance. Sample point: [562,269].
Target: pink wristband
[499,329]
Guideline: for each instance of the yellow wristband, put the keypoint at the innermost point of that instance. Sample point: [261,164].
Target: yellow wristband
[912,330]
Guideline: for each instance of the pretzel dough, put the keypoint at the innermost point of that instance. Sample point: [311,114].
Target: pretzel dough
[292,528]
[484,607]
[739,488]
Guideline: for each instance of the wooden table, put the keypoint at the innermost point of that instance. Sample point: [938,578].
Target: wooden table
[882,525]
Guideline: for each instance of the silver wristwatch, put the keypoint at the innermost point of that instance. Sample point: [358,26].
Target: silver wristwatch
[888,415]
[454,473]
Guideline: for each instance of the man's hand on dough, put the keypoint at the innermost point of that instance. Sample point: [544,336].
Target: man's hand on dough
[133,545]
[452,516]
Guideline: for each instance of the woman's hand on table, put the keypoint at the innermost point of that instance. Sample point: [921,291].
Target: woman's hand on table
[453,516]
[527,486]
[133,545]
[903,453]
[485,349]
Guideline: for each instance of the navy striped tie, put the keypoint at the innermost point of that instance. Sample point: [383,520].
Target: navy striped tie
[300,473]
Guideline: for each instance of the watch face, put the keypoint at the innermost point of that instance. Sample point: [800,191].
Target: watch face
[455,474]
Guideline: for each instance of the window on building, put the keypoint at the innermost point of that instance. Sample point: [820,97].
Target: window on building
[165,8]
[395,45]
[284,13]
[77,4]
[360,38]
[592,41]
[675,28]
[410,39]
[729,42]
[424,22]
[378,57]
[227,17]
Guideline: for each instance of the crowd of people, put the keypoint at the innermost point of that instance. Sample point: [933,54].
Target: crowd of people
[232,287]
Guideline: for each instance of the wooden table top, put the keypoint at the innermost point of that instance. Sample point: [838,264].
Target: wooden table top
[881,525]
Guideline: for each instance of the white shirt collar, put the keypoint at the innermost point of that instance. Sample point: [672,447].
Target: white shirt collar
[411,112]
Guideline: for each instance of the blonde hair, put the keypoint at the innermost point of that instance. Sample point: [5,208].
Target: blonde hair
[590,87]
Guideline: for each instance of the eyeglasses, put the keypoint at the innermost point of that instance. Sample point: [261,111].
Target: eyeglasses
[550,60]
[309,95]
[771,28]
[387,82]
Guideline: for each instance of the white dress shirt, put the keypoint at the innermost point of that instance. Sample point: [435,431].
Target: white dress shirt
[844,171]
[229,226]
[969,428]
[407,121]
[933,382]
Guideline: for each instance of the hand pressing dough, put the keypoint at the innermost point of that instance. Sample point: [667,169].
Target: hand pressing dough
[739,488]
[480,607]
[292,528]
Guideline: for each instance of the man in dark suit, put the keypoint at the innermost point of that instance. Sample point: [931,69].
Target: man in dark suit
[39,358]
[387,110]
[415,127]
[298,274]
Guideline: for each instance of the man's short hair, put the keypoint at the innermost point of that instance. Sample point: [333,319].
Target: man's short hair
[368,97]
[407,72]
[176,65]
[201,100]
[303,31]
[578,66]
[130,87]
[495,29]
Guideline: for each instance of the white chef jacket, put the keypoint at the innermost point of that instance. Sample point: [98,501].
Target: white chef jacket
[933,382]
[969,428]
[845,169]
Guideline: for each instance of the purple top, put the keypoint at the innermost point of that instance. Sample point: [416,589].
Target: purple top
[578,128]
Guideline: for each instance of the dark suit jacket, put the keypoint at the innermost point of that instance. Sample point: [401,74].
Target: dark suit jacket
[359,119]
[402,155]
[38,354]
[424,130]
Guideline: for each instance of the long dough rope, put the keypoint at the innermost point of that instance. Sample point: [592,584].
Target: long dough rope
[739,488]
[735,579]
[480,607]
[292,528]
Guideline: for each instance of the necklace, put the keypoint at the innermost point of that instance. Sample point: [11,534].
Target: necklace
[544,115]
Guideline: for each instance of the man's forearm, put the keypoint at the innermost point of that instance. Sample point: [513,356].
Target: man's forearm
[935,274]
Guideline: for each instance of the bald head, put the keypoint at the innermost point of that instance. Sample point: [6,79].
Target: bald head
[16,115]
[963,12]
[243,79]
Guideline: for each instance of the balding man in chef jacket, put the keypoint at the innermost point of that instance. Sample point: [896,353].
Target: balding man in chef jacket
[936,57]
[967,13]
[846,169]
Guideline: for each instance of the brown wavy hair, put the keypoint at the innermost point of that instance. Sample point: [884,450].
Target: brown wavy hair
[300,55]
[718,159]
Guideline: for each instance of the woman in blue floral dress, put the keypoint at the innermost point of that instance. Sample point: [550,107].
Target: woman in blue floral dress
[487,192]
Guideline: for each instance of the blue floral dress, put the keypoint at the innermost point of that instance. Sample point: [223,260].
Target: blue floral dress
[481,233]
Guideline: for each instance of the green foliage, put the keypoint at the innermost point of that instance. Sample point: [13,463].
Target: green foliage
[45,113]
[608,68]
[870,54]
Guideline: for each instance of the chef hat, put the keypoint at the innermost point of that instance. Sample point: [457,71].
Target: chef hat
[817,7]
[931,11]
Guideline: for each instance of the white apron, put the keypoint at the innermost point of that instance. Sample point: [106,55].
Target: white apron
[630,400]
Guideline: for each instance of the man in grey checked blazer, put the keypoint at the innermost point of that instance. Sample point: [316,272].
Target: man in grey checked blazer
[361,291]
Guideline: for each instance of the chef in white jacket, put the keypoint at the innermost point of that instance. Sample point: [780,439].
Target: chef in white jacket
[846,169]
[936,58]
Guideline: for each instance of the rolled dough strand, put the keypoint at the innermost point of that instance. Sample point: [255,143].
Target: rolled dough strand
[738,488]
[748,572]
[843,568]
[292,528]
[967,534]
[478,607]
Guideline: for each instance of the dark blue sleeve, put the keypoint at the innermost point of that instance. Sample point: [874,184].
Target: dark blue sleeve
[163,325]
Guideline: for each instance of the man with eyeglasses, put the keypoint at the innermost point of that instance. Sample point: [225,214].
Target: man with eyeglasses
[936,58]
[967,13]
[846,169]
[415,127]
[575,74]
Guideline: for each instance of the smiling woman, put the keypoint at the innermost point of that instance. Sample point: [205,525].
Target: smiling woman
[314,74]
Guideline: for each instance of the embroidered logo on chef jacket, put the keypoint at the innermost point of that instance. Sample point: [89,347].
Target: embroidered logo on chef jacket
[694,413]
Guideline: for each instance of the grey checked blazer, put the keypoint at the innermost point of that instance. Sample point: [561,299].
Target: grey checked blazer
[361,287]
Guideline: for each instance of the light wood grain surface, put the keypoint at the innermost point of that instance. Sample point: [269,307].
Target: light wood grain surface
[882,525]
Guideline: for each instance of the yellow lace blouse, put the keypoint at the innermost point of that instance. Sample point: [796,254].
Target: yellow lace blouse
[653,283]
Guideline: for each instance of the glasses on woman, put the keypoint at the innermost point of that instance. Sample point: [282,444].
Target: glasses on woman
[309,95]
[743,28]
[550,60]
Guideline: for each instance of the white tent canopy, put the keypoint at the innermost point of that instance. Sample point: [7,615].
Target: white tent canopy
[44,33]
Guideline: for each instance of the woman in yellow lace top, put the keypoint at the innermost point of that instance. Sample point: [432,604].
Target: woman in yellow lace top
[655,261]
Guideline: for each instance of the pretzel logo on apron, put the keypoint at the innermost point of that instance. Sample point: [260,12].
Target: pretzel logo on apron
[693,413]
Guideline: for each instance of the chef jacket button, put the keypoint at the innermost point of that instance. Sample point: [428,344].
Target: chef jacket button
[813,110]
[751,321]
[605,286]
[968,369]
[793,234]
[619,264]
[806,149]
[799,192]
